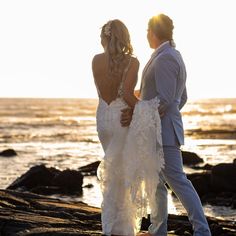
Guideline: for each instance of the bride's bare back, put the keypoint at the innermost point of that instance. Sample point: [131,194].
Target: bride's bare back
[116,66]
[108,85]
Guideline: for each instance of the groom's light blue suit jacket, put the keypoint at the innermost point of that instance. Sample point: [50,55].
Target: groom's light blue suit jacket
[164,76]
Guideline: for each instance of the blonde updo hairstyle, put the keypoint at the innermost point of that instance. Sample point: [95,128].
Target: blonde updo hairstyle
[117,45]
[162,26]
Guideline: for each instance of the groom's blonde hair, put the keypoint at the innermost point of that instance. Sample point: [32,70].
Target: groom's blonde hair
[162,26]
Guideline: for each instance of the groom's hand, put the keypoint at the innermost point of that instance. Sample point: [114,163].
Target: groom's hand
[161,110]
[137,93]
[126,117]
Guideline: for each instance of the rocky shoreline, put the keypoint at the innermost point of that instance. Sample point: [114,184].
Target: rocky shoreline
[27,208]
[28,214]
[24,214]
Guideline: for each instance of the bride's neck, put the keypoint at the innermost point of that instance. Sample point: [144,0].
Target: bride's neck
[105,50]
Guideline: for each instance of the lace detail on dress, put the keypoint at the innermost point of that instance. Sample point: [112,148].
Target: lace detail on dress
[120,91]
[143,159]
[129,172]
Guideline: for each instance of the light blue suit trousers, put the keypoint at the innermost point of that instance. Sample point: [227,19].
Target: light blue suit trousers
[164,77]
[175,177]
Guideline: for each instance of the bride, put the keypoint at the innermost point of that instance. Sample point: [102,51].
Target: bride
[129,171]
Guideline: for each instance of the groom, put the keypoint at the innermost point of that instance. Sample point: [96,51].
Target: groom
[164,76]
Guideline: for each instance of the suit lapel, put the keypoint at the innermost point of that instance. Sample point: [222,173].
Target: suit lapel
[154,54]
[147,65]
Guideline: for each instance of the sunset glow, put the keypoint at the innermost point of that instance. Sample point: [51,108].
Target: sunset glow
[46,46]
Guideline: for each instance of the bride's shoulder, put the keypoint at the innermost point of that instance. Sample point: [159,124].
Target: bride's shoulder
[134,62]
[98,56]
[132,58]
[98,60]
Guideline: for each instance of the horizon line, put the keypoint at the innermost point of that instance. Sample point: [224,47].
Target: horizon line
[96,98]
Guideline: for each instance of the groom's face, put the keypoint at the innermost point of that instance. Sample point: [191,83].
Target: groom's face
[151,38]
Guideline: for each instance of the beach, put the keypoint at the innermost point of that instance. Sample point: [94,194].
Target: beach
[61,133]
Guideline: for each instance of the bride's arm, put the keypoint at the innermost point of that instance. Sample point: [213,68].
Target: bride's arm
[130,83]
[128,92]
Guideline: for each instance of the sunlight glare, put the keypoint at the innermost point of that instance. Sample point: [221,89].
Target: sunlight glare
[47,46]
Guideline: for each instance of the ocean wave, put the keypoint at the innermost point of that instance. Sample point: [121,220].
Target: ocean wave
[26,123]
[210,107]
[208,112]
[211,133]
[75,119]
[48,137]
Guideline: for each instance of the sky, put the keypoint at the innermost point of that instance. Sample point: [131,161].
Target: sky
[46,46]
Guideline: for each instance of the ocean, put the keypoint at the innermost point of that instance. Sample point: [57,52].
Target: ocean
[62,133]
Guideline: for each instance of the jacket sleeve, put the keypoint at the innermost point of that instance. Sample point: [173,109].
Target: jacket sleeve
[166,74]
[184,98]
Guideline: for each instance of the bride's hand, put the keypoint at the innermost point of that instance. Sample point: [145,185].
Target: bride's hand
[126,116]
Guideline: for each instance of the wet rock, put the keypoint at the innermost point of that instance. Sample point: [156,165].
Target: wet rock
[191,158]
[45,216]
[8,153]
[204,167]
[70,181]
[45,190]
[223,178]
[216,229]
[42,180]
[216,185]
[24,214]
[35,176]
[201,182]
[179,225]
[90,169]
[233,204]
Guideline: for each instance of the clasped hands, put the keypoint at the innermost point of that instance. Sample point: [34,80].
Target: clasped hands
[127,113]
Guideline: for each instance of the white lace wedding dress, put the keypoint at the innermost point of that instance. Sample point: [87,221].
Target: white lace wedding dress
[129,171]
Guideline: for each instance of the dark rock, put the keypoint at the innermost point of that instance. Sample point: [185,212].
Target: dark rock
[217,200]
[179,225]
[223,178]
[50,216]
[214,189]
[233,205]
[182,231]
[90,169]
[204,167]
[216,229]
[46,216]
[46,190]
[191,158]
[70,181]
[217,186]
[201,182]
[35,176]
[47,181]
[8,153]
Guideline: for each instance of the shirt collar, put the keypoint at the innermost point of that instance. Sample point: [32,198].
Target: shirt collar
[160,47]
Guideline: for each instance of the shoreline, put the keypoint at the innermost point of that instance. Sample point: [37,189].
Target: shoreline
[24,214]
[214,184]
